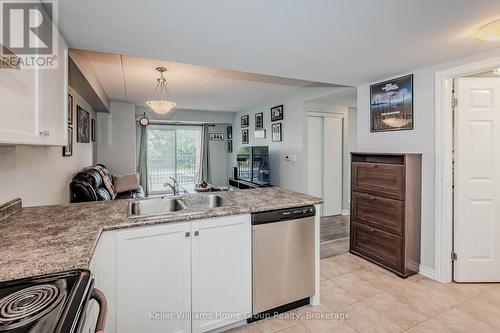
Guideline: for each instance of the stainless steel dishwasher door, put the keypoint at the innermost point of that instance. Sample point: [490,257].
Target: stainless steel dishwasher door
[283,262]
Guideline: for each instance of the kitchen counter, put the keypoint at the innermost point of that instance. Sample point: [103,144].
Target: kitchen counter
[49,239]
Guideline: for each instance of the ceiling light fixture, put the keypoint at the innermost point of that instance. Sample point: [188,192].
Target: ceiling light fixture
[161,105]
[489,32]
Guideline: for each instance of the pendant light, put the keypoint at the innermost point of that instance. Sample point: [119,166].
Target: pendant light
[161,104]
[489,32]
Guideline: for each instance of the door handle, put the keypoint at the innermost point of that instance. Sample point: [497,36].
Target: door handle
[99,297]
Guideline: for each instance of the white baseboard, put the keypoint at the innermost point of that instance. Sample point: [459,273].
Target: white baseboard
[346,212]
[427,272]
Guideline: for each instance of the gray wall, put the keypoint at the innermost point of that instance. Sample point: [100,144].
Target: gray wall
[421,139]
[287,174]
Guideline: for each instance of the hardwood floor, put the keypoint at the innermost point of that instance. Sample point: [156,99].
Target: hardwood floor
[334,235]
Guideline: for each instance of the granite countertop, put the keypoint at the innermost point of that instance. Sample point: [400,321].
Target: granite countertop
[49,239]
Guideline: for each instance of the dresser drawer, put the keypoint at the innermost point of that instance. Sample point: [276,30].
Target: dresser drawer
[380,212]
[376,244]
[379,179]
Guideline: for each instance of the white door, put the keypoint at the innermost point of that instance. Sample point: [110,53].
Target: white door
[332,166]
[315,156]
[477,180]
[222,271]
[324,161]
[153,277]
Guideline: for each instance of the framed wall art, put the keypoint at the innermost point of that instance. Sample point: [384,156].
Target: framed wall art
[244,137]
[229,146]
[83,125]
[92,130]
[277,132]
[245,120]
[68,149]
[70,109]
[229,132]
[260,134]
[259,121]
[391,105]
[277,113]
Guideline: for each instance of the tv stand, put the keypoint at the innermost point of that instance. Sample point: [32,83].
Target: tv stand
[243,184]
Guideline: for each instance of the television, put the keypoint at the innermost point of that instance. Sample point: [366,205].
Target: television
[253,164]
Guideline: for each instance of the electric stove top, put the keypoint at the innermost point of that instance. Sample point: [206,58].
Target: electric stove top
[52,303]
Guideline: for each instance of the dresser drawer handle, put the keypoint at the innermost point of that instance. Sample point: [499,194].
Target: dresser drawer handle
[372,230]
[373,166]
[373,198]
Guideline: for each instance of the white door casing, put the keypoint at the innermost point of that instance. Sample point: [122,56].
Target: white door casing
[477,180]
[315,156]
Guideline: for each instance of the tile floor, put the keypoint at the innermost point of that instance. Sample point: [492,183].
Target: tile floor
[378,301]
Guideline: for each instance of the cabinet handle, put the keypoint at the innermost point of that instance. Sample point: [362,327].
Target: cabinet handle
[373,166]
[196,233]
[373,198]
[188,234]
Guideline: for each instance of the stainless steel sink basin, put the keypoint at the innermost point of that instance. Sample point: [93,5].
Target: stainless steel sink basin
[204,201]
[154,207]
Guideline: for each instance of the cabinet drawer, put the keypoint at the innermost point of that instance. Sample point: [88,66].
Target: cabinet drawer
[384,213]
[376,244]
[378,178]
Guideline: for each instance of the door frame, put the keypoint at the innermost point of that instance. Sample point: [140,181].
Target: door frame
[323,114]
[443,216]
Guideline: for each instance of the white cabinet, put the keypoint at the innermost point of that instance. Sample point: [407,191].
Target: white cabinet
[160,278]
[33,103]
[222,271]
[153,275]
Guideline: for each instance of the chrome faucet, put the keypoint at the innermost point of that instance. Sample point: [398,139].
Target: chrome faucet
[175,187]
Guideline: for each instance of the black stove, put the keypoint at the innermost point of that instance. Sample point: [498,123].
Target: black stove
[52,303]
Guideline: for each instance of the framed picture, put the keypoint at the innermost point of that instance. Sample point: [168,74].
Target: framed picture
[277,132]
[68,150]
[92,130]
[229,146]
[245,121]
[216,136]
[70,109]
[260,134]
[244,137]
[391,105]
[83,124]
[259,121]
[230,132]
[277,113]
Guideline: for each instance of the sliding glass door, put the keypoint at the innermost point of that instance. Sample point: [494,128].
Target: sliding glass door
[173,151]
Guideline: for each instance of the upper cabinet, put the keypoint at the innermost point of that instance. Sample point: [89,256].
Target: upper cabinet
[33,101]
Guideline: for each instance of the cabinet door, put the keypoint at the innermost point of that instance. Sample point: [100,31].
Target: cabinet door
[54,113]
[153,279]
[20,105]
[222,270]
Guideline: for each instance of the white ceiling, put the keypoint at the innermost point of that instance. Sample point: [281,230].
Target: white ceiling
[344,96]
[133,79]
[337,41]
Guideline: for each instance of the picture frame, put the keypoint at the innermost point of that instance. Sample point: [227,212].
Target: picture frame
[391,105]
[277,113]
[245,121]
[277,132]
[229,131]
[229,146]
[83,125]
[244,137]
[259,121]
[70,109]
[68,149]
[92,129]
[216,136]
[259,134]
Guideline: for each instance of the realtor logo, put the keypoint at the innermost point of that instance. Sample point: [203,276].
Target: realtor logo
[28,33]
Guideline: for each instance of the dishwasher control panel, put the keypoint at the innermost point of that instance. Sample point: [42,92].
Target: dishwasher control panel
[283,215]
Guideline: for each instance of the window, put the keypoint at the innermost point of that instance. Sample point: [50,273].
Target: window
[173,151]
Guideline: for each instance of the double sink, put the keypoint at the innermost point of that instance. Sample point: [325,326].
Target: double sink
[150,207]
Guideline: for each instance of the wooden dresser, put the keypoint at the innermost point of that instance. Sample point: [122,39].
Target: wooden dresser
[385,210]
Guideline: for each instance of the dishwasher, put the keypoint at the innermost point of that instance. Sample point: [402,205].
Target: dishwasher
[282,259]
